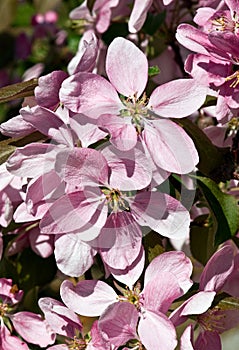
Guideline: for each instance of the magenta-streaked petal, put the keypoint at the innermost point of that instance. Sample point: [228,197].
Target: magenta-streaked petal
[33,328]
[71,212]
[129,170]
[162,213]
[83,166]
[138,15]
[73,256]
[178,98]
[217,269]
[208,340]
[124,61]
[88,297]
[120,240]
[50,124]
[186,341]
[226,42]
[174,262]
[10,342]
[159,293]
[62,320]
[130,275]
[193,38]
[118,323]
[167,144]
[32,160]
[80,90]
[47,91]
[156,332]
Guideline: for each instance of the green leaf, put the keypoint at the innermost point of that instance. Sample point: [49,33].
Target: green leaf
[7,147]
[202,239]
[154,70]
[34,270]
[224,208]
[214,162]
[18,90]
[153,22]
[115,30]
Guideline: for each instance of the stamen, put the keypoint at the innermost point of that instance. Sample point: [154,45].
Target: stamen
[234,76]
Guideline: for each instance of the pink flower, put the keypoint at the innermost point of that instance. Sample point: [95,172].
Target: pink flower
[31,327]
[212,321]
[166,278]
[133,118]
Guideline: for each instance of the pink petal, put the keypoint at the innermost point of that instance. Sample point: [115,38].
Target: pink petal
[33,328]
[88,297]
[124,61]
[118,323]
[73,256]
[138,15]
[47,91]
[16,127]
[178,98]
[122,133]
[10,342]
[42,245]
[173,143]
[120,240]
[62,320]
[129,170]
[130,275]
[217,269]
[86,132]
[196,305]
[162,213]
[71,213]
[186,339]
[174,262]
[83,166]
[48,123]
[32,160]
[7,293]
[156,332]
[208,340]
[158,294]
[78,91]
[85,58]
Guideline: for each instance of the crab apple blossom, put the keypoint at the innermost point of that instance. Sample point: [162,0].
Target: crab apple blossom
[166,278]
[31,327]
[109,209]
[136,118]
[213,320]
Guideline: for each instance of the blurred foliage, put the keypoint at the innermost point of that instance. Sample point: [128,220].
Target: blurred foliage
[25,42]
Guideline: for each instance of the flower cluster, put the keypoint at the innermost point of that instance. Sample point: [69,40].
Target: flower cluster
[99,181]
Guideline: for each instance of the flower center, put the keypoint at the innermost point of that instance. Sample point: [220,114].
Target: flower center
[137,110]
[223,21]
[132,296]
[4,308]
[212,320]
[235,79]
[115,199]
[76,344]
